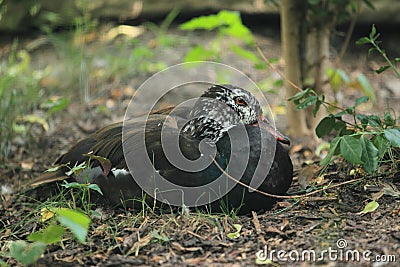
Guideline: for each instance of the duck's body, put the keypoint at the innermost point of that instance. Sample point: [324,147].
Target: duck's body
[120,145]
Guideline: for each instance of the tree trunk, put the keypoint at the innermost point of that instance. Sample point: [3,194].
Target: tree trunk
[305,45]
[292,16]
[315,67]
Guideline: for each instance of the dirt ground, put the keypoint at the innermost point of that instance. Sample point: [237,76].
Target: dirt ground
[327,224]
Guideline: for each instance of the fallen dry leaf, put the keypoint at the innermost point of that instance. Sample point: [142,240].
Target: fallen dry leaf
[308,174]
[387,189]
[26,165]
[275,230]
[181,248]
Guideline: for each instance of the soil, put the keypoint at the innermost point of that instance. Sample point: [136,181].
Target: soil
[328,223]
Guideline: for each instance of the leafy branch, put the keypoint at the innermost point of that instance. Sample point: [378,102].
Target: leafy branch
[362,139]
[373,40]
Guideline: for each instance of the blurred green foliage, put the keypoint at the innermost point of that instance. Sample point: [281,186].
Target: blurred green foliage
[227,25]
[20,93]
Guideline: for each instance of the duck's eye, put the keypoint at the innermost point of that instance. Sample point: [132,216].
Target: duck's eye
[240,101]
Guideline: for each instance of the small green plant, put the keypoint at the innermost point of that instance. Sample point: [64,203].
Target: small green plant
[236,233]
[159,237]
[339,79]
[362,139]
[20,93]
[365,139]
[372,39]
[61,218]
[82,190]
[227,24]
[162,38]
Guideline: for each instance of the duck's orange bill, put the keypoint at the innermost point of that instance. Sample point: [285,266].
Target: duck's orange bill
[264,123]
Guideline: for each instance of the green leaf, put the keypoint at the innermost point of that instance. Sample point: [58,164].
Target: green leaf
[211,22]
[96,188]
[370,207]
[56,168]
[75,221]
[52,234]
[388,119]
[239,31]
[156,235]
[369,4]
[373,32]
[278,83]
[363,119]
[229,17]
[309,101]
[26,253]
[374,121]
[301,94]
[371,50]
[340,127]
[378,42]
[345,131]
[382,144]
[369,155]
[266,261]
[104,162]
[363,40]
[199,53]
[77,169]
[393,135]
[361,100]
[349,110]
[343,75]
[204,22]
[260,66]
[72,185]
[245,53]
[32,118]
[325,126]
[337,77]
[343,112]
[382,69]
[334,144]
[55,104]
[351,149]
[339,124]
[366,87]
[235,234]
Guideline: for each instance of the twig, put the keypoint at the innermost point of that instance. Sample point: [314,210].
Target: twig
[312,199]
[279,196]
[348,35]
[257,225]
[196,235]
[256,222]
[278,71]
